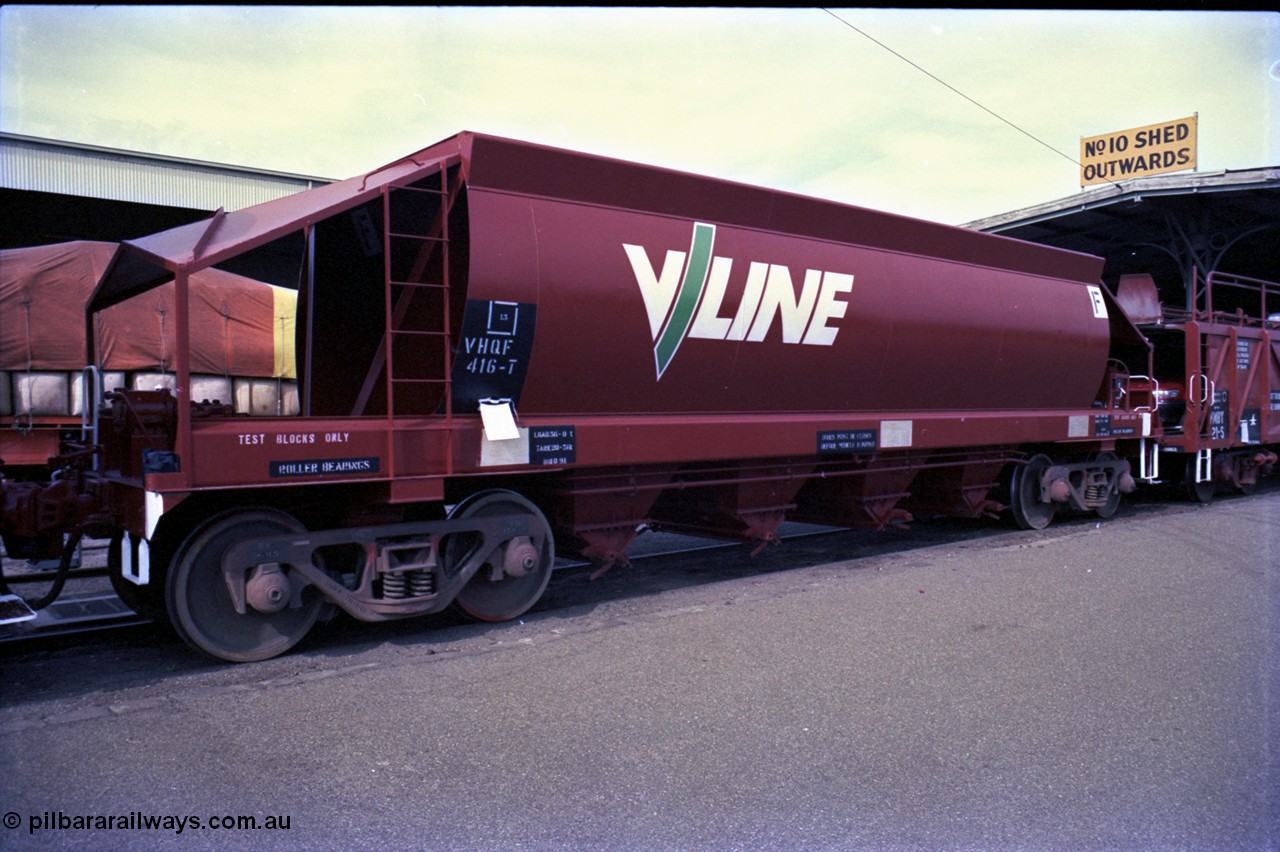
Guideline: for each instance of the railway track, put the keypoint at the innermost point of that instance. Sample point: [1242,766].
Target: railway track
[90,608]
[88,605]
[73,615]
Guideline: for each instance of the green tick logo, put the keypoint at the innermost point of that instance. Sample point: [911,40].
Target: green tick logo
[685,299]
[691,286]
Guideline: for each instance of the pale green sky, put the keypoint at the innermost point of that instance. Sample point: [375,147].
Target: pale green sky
[787,98]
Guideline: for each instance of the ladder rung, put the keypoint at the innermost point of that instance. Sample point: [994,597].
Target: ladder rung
[422,237]
[423,333]
[425,284]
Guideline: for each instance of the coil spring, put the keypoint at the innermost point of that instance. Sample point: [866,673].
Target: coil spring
[394,586]
[405,584]
[422,583]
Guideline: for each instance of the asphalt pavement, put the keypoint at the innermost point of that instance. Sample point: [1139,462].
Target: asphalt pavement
[1086,687]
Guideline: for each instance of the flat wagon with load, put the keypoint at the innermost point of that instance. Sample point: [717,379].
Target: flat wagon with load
[241,345]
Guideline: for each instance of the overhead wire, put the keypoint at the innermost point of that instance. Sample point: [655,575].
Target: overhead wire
[952,88]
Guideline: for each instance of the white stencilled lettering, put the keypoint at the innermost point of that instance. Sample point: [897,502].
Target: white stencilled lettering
[696,308]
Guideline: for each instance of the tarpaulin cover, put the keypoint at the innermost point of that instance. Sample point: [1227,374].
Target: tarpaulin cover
[238,326]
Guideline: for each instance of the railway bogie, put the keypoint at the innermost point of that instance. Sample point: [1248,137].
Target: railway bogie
[507,351]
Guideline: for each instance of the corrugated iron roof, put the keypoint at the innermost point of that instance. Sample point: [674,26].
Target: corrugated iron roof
[1235,181]
[1174,226]
[46,165]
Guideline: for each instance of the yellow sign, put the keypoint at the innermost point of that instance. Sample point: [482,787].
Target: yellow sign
[1151,150]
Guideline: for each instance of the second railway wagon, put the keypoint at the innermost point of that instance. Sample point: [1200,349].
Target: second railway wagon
[505,348]
[241,345]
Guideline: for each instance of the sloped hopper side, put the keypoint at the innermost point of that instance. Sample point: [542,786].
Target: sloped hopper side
[355,255]
[1138,297]
[331,243]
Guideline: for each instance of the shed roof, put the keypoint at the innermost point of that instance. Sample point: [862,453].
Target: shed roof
[1165,225]
[35,164]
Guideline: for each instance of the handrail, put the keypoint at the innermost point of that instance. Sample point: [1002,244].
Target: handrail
[91,395]
[1268,304]
[1154,392]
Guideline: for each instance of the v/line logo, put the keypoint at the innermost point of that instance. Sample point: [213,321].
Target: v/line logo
[684,300]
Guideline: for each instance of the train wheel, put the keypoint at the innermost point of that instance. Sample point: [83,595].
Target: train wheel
[199,602]
[1197,492]
[1029,513]
[1108,509]
[506,591]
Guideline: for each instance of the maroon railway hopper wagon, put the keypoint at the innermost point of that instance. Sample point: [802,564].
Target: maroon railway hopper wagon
[504,347]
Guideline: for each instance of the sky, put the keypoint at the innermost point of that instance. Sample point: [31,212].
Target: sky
[947,115]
